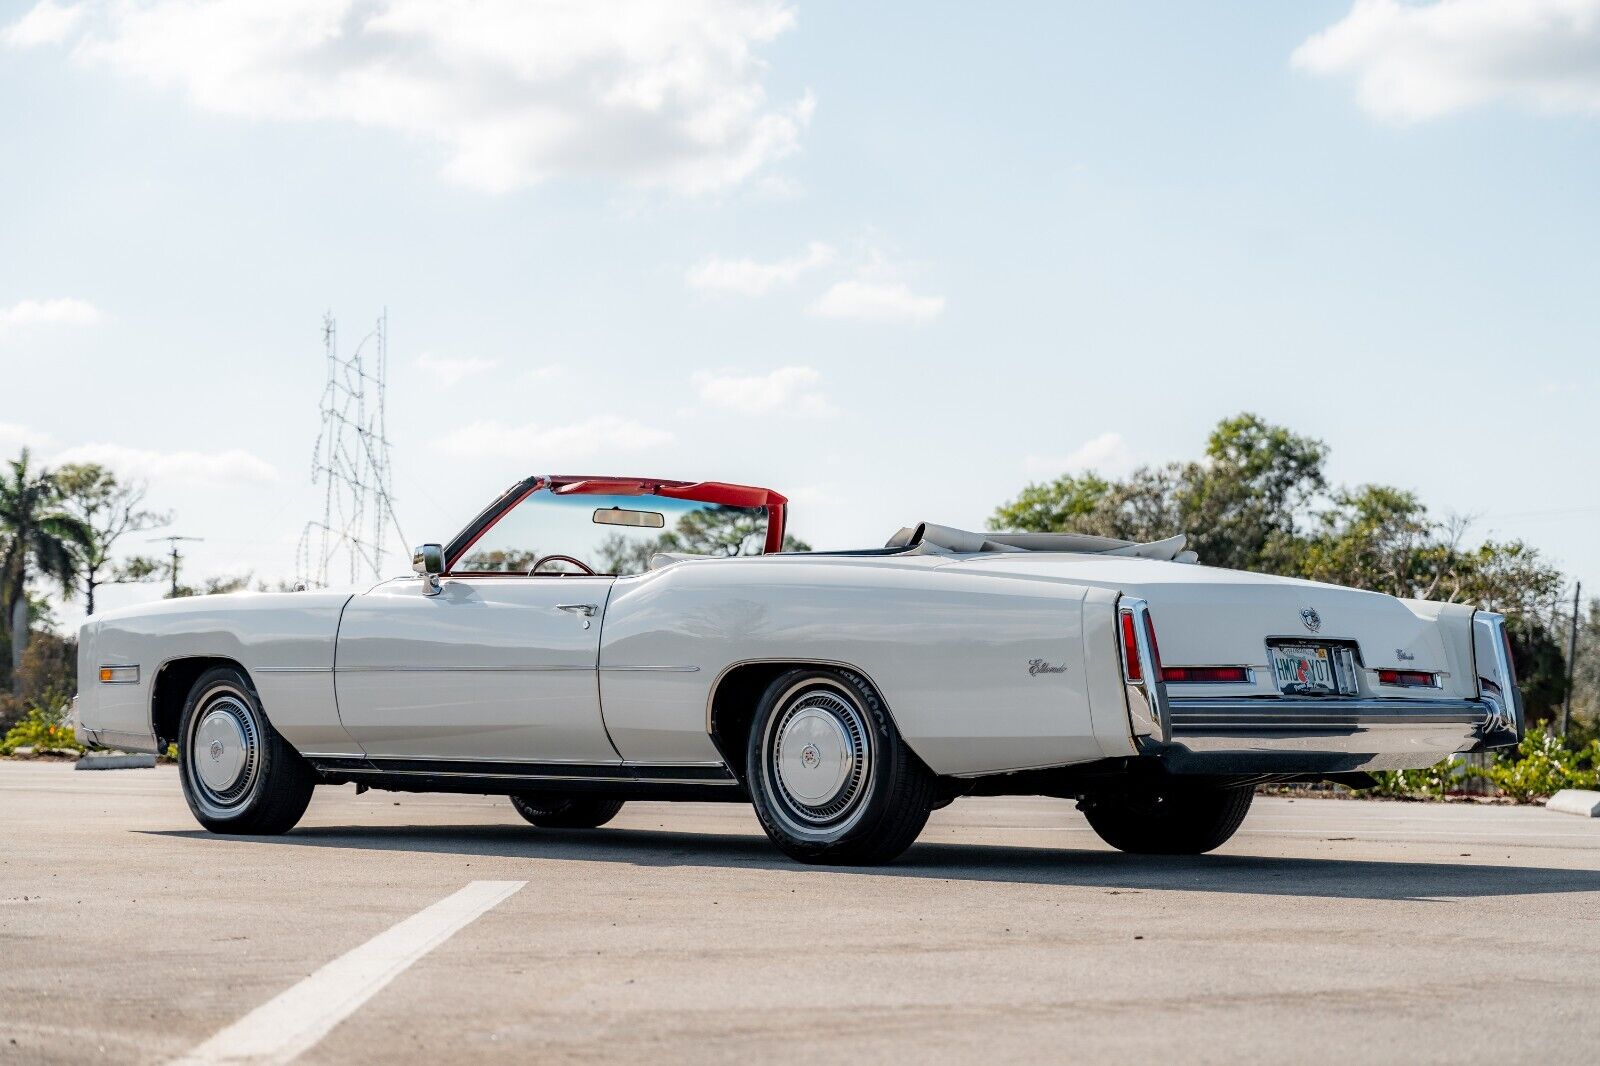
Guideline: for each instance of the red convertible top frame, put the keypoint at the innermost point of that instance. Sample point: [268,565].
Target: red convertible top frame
[563,484]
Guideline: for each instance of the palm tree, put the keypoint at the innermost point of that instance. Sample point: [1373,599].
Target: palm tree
[36,537]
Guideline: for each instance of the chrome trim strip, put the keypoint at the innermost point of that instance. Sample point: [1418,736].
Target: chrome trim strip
[1507,698]
[460,669]
[1270,715]
[292,670]
[653,669]
[1157,717]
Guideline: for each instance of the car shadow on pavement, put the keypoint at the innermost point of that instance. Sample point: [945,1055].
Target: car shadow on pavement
[1375,879]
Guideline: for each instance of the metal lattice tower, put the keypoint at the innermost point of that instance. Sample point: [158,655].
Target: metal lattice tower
[351,462]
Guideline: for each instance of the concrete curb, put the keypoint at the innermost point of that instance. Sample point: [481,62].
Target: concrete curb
[106,761]
[1579,801]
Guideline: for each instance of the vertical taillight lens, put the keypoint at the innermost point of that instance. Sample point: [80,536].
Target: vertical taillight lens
[1133,668]
[1134,672]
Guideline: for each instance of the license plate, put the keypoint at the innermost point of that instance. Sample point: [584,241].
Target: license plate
[1304,669]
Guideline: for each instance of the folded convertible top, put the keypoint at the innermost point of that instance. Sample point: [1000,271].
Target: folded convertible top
[930,538]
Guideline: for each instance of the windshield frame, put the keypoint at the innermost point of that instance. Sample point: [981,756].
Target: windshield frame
[713,492]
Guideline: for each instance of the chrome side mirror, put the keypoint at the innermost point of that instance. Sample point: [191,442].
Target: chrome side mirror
[428,561]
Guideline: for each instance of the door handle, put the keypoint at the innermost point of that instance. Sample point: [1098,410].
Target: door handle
[585,609]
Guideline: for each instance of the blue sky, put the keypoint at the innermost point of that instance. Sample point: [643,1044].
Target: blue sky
[896,260]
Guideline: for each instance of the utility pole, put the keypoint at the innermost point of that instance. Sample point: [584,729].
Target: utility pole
[172,548]
[1572,654]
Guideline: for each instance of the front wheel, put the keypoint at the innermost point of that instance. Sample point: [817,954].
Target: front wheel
[829,775]
[565,812]
[238,774]
[1170,820]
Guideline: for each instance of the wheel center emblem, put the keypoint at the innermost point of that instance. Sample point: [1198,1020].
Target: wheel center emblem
[810,757]
[216,750]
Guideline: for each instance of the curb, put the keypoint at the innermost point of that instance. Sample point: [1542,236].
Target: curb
[115,762]
[1579,801]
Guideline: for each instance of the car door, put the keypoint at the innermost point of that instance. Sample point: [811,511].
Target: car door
[495,668]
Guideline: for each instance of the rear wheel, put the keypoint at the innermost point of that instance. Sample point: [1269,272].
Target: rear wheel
[1170,820]
[829,775]
[238,774]
[565,812]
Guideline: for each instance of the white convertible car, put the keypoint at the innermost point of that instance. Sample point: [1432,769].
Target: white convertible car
[568,651]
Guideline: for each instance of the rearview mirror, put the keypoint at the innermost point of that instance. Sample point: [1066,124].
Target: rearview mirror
[428,561]
[618,516]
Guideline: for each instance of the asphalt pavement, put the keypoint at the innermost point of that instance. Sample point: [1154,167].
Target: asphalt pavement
[397,928]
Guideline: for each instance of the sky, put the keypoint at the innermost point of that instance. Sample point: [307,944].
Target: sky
[894,260]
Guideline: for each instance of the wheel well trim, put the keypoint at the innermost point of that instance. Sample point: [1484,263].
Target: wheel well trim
[216,660]
[786,660]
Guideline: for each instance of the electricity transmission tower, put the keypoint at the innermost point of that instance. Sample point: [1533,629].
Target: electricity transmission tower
[351,462]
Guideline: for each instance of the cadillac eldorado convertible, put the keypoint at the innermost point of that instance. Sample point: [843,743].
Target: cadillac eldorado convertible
[586,641]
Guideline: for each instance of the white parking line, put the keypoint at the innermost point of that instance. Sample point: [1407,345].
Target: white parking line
[291,1023]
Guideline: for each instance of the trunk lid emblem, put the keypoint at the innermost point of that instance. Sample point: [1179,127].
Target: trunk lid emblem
[1312,620]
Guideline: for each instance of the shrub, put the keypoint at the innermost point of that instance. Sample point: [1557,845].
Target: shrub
[1433,782]
[41,727]
[1542,765]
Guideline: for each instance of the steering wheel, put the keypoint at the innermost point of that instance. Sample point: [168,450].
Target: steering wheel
[579,563]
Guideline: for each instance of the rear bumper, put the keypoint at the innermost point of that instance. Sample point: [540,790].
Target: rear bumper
[1322,735]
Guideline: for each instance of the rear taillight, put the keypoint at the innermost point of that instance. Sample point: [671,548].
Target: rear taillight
[1133,669]
[1206,675]
[1408,678]
[1130,650]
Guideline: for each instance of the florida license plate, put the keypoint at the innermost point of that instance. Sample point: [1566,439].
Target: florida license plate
[1304,669]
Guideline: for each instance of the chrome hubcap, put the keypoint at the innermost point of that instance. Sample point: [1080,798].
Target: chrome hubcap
[819,760]
[222,752]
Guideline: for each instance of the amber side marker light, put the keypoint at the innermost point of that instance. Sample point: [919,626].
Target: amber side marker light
[1408,678]
[119,675]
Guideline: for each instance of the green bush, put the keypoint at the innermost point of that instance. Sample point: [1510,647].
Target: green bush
[41,727]
[1541,766]
[1433,782]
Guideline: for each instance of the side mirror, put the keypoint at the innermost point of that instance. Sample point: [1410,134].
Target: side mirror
[428,561]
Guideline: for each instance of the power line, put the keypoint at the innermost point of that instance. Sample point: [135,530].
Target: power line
[351,461]
[176,558]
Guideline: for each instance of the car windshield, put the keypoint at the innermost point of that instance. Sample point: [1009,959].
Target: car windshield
[610,534]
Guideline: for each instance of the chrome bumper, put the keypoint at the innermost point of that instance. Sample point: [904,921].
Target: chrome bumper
[1288,734]
[1323,734]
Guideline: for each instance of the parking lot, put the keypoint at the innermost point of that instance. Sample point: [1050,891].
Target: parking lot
[1326,929]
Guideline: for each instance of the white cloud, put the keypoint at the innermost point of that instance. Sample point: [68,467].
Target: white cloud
[877,301]
[66,312]
[1106,454]
[1418,61]
[746,277]
[541,444]
[514,91]
[787,390]
[453,371]
[15,436]
[208,468]
[45,23]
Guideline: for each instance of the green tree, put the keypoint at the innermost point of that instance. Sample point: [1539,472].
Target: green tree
[38,538]
[708,530]
[109,509]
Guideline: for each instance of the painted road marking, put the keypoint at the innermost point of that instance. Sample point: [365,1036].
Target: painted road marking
[293,1022]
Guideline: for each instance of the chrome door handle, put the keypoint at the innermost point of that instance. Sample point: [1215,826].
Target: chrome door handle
[585,609]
